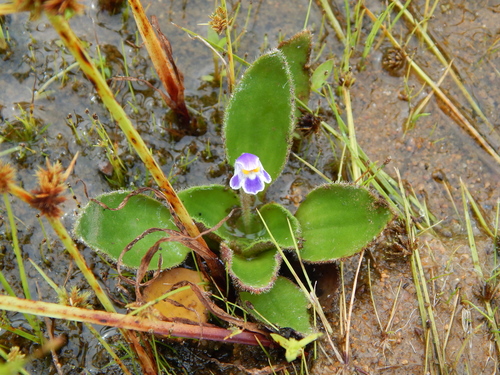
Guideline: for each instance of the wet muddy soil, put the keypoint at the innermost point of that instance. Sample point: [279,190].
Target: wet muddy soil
[433,156]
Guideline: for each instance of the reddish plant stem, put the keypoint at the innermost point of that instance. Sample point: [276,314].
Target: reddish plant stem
[132,322]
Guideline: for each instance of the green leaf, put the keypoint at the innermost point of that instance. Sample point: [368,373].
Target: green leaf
[339,220]
[285,306]
[276,218]
[321,74]
[109,232]
[260,116]
[256,274]
[209,205]
[297,51]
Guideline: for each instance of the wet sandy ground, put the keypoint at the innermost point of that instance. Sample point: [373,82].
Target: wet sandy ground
[435,152]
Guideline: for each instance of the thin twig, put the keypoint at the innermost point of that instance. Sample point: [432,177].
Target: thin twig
[351,306]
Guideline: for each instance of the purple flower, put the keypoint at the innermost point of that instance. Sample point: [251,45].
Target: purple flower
[249,174]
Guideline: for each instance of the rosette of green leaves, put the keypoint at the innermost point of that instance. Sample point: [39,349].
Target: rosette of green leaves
[258,120]
[334,221]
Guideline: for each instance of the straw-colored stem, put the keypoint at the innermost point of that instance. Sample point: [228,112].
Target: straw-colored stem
[452,319]
[420,282]
[333,20]
[75,47]
[9,8]
[129,322]
[88,67]
[351,306]
[3,42]
[430,313]
[65,238]
[372,297]
[470,235]
[416,112]
[422,30]
[231,78]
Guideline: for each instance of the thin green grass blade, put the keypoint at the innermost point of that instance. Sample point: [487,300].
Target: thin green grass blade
[470,236]
[477,210]
[333,20]
[375,29]
[32,320]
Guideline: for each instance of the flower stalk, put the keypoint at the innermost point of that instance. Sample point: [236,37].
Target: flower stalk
[246,201]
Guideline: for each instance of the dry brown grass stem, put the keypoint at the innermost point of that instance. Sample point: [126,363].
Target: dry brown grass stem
[160,52]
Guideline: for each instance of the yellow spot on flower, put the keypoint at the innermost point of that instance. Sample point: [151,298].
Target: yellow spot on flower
[246,171]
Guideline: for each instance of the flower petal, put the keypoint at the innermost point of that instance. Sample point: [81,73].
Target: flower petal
[249,161]
[265,176]
[236,181]
[253,186]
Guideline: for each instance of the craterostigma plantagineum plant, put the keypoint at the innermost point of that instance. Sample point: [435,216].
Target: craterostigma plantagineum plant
[334,220]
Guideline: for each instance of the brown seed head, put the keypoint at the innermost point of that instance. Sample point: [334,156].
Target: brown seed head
[7,175]
[47,197]
[15,354]
[63,7]
[76,298]
[54,7]
[219,20]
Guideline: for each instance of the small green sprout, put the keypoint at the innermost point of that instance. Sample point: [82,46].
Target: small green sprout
[294,348]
